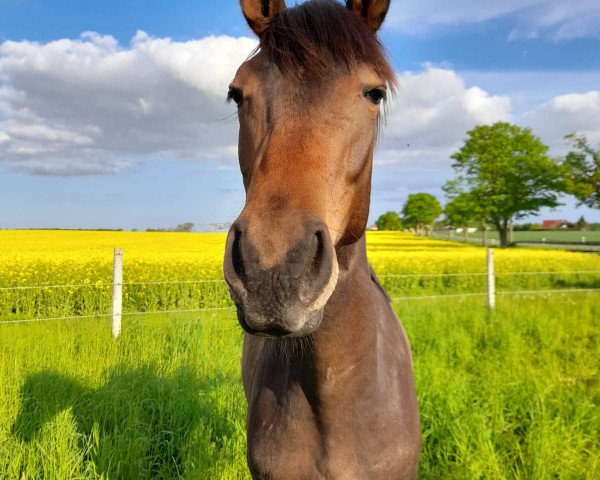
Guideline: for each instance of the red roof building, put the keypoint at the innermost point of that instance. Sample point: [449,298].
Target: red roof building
[554,224]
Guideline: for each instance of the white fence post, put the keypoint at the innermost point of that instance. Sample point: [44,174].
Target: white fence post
[117,303]
[491,279]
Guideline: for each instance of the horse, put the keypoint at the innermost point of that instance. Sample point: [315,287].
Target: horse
[326,364]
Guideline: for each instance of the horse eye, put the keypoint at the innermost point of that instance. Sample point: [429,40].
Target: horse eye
[375,95]
[236,95]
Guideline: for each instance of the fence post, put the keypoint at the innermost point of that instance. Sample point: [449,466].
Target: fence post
[491,279]
[117,302]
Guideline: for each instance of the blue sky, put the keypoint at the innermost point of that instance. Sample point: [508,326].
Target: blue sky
[112,113]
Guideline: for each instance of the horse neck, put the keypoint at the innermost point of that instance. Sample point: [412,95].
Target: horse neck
[348,328]
[352,259]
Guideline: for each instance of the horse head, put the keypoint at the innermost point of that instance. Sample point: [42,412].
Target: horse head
[308,104]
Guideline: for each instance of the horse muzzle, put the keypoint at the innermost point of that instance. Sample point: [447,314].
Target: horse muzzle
[285,299]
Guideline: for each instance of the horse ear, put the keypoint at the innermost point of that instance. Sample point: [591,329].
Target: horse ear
[258,13]
[372,11]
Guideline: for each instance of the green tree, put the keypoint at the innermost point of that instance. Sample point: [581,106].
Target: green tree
[508,173]
[461,211]
[389,221]
[184,227]
[581,224]
[420,211]
[582,171]
[474,201]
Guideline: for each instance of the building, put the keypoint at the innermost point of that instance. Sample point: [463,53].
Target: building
[556,224]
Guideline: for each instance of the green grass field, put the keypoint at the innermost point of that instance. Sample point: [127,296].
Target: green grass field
[548,236]
[508,395]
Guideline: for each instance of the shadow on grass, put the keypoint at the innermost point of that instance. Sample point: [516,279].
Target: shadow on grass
[140,424]
[577,283]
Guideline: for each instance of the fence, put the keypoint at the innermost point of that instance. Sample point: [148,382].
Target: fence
[392,283]
[581,244]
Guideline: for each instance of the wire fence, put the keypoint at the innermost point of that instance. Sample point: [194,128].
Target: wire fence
[551,239]
[505,293]
[105,284]
[222,281]
[386,279]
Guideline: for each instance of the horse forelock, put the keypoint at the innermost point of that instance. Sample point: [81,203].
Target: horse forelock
[321,38]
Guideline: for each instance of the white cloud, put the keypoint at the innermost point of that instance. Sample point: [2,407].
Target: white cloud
[90,106]
[578,102]
[428,121]
[43,134]
[530,89]
[207,64]
[531,18]
[564,114]
[74,106]
[432,112]
[436,107]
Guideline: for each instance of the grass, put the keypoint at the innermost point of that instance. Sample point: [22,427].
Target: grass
[548,236]
[503,395]
[162,402]
[507,394]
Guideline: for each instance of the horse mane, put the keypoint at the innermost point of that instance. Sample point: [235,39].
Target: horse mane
[322,37]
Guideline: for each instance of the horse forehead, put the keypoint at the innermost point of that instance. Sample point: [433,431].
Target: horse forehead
[256,68]
[261,75]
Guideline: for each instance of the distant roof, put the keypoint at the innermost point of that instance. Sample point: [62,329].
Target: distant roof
[555,223]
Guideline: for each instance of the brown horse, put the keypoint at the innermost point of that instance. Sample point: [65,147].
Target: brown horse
[326,364]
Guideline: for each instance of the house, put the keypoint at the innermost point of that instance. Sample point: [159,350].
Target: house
[372,228]
[556,224]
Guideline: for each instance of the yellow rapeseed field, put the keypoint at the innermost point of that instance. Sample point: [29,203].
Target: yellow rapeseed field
[391,252]
[76,268]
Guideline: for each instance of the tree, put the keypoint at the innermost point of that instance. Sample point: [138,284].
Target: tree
[184,227]
[460,211]
[389,221]
[420,211]
[582,171]
[508,173]
[471,200]
[581,224]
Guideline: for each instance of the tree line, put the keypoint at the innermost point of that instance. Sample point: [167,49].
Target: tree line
[504,173]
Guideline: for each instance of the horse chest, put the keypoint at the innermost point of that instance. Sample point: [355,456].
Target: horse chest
[289,437]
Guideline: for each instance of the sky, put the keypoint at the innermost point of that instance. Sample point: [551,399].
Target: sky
[113,114]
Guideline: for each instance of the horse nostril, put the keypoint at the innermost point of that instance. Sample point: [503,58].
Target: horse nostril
[236,256]
[317,259]
[319,267]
